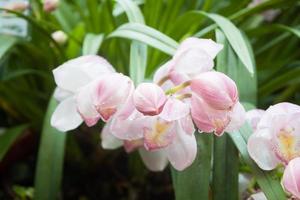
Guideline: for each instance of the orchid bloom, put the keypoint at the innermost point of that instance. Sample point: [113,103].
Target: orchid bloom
[17,6]
[276,139]
[253,117]
[214,104]
[291,178]
[70,77]
[50,5]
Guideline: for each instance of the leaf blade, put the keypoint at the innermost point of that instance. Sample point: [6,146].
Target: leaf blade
[50,159]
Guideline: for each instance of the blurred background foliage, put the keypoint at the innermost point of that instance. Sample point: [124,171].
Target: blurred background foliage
[26,84]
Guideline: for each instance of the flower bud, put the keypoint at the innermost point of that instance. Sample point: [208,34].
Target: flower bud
[50,5]
[60,37]
[149,99]
[216,89]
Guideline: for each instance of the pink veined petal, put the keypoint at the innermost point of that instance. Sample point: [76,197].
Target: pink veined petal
[131,145]
[65,116]
[183,150]
[208,119]
[237,118]
[209,46]
[291,178]
[253,117]
[279,114]
[154,160]
[258,196]
[216,89]
[261,149]
[130,128]
[108,140]
[160,133]
[192,62]
[149,98]
[111,93]
[78,72]
[61,94]
[174,109]
[187,125]
[85,104]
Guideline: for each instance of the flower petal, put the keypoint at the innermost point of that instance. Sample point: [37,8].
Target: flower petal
[149,98]
[159,134]
[65,116]
[261,150]
[79,71]
[291,178]
[237,117]
[111,93]
[61,94]
[209,46]
[253,117]
[183,150]
[208,119]
[108,140]
[85,104]
[154,160]
[174,109]
[258,196]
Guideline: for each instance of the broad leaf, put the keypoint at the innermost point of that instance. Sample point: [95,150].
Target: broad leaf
[92,43]
[147,35]
[50,159]
[193,182]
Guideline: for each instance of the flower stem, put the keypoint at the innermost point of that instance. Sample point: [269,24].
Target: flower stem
[178,88]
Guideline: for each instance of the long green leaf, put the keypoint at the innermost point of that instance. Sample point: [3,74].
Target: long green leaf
[269,185]
[147,35]
[138,50]
[50,159]
[6,42]
[8,137]
[92,43]
[193,182]
[235,39]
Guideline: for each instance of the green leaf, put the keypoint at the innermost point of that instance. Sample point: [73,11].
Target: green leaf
[133,12]
[269,185]
[225,169]
[8,137]
[295,31]
[138,50]
[7,42]
[193,182]
[147,35]
[235,39]
[50,159]
[92,43]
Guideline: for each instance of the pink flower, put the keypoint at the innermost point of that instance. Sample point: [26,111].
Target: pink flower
[214,104]
[50,5]
[193,56]
[103,97]
[291,178]
[70,77]
[17,6]
[277,137]
[149,98]
[253,117]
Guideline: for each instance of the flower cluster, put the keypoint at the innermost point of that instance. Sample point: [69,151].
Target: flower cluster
[276,141]
[156,118]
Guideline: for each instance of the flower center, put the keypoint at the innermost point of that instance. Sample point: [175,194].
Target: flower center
[287,143]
